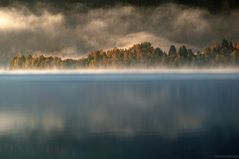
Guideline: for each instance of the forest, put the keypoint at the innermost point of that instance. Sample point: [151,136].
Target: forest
[142,55]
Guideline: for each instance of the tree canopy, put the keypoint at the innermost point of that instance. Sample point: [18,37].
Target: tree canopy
[139,55]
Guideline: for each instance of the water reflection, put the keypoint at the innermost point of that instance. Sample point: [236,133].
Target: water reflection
[157,110]
[20,123]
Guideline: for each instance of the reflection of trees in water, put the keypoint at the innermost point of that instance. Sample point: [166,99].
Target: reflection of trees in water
[166,107]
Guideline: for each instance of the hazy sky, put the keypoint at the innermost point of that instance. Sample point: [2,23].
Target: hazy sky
[74,27]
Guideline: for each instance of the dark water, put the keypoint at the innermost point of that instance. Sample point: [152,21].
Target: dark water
[119,116]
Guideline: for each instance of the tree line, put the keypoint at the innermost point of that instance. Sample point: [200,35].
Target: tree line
[139,55]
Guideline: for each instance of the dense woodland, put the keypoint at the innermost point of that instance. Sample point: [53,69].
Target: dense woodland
[142,55]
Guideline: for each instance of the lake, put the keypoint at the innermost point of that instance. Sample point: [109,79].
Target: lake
[119,116]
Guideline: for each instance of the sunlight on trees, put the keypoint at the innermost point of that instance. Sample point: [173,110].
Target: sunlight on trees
[139,55]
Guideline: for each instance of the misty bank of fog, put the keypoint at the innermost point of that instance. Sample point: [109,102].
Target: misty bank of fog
[75,32]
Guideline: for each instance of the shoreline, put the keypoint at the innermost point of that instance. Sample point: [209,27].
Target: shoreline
[127,71]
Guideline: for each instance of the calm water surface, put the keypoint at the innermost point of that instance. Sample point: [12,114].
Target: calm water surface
[119,116]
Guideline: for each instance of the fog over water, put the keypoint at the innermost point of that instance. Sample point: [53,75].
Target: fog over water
[225,70]
[189,113]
